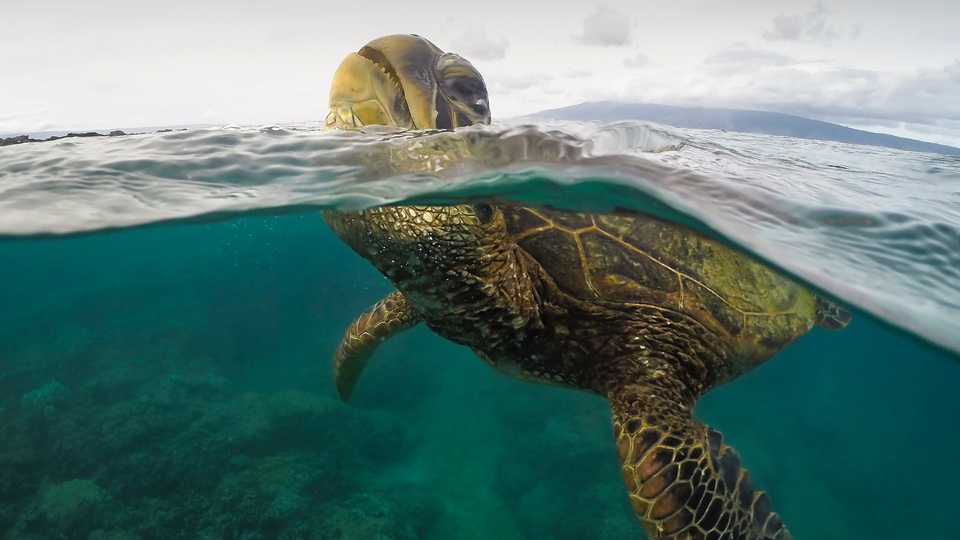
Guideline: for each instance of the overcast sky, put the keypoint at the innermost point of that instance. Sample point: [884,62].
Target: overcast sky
[882,65]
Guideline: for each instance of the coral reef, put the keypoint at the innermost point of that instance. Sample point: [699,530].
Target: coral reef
[186,455]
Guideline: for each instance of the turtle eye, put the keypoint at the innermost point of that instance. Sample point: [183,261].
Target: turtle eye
[484,213]
[470,92]
[463,86]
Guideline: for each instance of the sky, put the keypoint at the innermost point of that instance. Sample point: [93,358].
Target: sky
[882,65]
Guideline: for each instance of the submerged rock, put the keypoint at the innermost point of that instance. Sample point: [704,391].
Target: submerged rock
[366,517]
[74,505]
[47,400]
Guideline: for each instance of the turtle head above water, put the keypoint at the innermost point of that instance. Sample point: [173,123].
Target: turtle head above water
[406,81]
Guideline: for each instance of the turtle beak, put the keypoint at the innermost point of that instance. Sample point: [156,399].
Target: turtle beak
[406,81]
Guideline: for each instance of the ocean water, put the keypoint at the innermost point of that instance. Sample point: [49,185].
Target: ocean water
[170,303]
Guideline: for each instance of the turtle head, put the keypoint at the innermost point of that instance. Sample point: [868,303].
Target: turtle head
[448,261]
[406,81]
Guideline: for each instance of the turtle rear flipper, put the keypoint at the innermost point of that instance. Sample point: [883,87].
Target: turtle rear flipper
[383,320]
[684,483]
[830,314]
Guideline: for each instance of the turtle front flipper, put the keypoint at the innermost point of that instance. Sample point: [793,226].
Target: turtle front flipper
[684,483]
[383,320]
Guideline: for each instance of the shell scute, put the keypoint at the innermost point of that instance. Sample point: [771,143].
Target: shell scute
[637,259]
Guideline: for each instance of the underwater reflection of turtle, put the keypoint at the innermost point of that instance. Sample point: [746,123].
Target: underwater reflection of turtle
[649,314]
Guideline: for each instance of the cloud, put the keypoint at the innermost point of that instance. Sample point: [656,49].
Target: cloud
[809,27]
[742,55]
[17,115]
[919,100]
[637,61]
[606,27]
[22,122]
[519,82]
[474,44]
[923,96]
[578,73]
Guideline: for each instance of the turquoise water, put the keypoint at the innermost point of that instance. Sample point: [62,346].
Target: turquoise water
[174,381]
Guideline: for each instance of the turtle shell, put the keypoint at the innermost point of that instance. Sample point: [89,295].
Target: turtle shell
[637,259]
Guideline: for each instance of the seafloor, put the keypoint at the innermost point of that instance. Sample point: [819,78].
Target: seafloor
[174,382]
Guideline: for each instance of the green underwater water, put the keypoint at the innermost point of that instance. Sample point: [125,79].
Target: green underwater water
[175,382]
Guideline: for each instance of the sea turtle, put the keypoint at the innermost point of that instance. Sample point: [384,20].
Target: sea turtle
[646,313]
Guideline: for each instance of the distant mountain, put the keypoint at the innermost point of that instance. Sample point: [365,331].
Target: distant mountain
[768,123]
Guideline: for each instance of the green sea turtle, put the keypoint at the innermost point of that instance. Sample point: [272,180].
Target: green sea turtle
[646,313]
